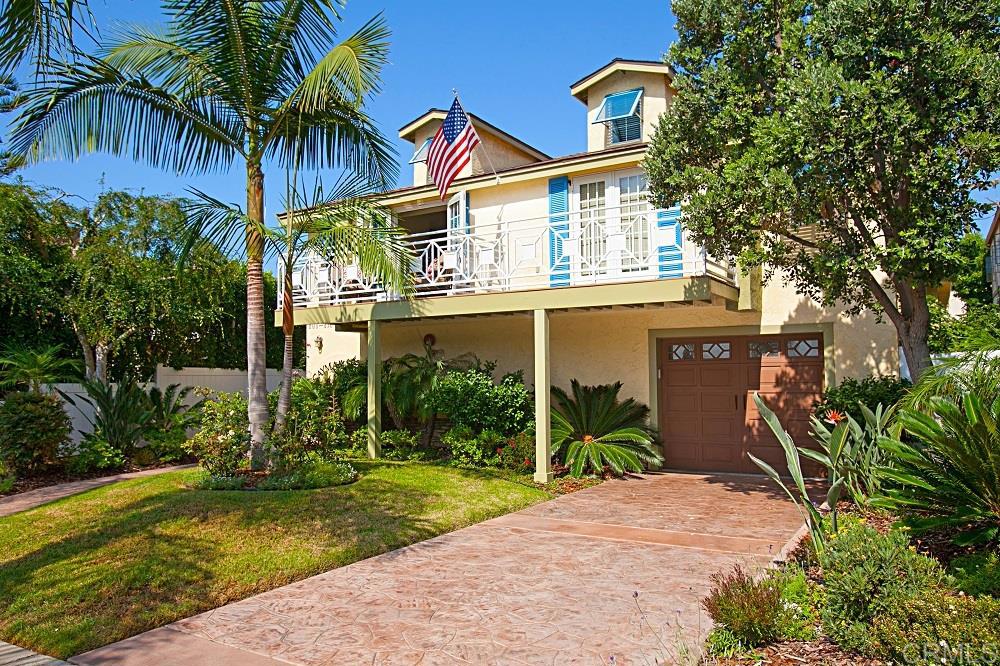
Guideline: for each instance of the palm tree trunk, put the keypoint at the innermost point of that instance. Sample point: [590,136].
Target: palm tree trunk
[287,359]
[256,350]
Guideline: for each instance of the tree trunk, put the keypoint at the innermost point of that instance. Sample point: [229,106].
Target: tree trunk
[288,328]
[101,362]
[257,411]
[90,369]
[913,335]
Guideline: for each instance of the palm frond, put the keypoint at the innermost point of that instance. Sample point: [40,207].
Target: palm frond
[40,30]
[92,107]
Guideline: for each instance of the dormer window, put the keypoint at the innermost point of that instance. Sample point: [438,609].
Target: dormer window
[621,113]
[421,154]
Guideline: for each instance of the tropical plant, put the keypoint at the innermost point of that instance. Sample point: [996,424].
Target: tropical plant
[225,82]
[169,408]
[344,225]
[593,428]
[35,368]
[40,30]
[33,429]
[946,473]
[975,371]
[859,459]
[121,413]
[834,455]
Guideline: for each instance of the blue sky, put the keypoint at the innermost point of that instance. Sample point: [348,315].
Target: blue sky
[512,63]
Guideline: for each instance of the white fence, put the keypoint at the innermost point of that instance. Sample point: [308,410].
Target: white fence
[218,380]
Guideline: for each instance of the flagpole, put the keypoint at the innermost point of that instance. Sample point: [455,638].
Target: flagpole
[481,144]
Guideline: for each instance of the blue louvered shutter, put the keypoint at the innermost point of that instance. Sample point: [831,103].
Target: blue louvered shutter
[558,231]
[468,207]
[671,249]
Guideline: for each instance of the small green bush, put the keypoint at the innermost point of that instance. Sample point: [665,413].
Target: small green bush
[33,429]
[396,445]
[518,453]
[800,601]
[94,454]
[977,573]
[219,482]
[865,573]
[317,474]
[722,643]
[472,450]
[937,627]
[871,392]
[312,425]
[471,398]
[748,607]
[7,477]
[163,445]
[223,442]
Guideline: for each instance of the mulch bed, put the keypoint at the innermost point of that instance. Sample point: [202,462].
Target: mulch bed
[795,653]
[565,485]
[57,477]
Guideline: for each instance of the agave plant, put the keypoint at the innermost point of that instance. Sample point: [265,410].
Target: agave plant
[947,474]
[593,429]
[833,457]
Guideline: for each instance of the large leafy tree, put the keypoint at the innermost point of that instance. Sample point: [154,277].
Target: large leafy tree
[226,82]
[840,141]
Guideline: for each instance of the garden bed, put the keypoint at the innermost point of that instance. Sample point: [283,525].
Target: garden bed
[795,653]
[55,478]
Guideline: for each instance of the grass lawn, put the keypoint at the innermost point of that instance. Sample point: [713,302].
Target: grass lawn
[113,562]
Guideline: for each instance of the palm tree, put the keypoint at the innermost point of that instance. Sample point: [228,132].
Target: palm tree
[344,225]
[40,30]
[225,81]
[35,367]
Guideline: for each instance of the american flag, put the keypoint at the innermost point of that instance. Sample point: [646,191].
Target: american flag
[451,148]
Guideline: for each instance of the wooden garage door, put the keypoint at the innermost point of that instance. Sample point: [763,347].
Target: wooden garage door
[708,420]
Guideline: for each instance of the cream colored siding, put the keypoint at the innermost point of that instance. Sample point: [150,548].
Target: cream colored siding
[503,154]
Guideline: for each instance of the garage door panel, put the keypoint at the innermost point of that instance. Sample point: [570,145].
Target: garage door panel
[707,414]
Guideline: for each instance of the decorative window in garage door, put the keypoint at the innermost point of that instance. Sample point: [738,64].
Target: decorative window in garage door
[711,351]
[763,348]
[682,352]
[803,348]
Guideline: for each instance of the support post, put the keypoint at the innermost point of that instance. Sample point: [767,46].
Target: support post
[543,417]
[374,389]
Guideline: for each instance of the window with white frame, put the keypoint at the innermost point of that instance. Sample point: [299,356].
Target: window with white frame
[621,113]
[420,155]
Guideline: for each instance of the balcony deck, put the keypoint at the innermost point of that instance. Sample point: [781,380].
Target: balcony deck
[602,247]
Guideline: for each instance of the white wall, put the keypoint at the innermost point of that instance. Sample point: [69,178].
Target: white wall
[219,380]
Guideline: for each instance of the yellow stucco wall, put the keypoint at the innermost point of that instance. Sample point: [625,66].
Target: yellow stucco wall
[502,154]
[614,345]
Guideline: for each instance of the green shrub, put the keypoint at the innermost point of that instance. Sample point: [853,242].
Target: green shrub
[162,446]
[121,413]
[219,482]
[471,398]
[593,429]
[472,450]
[947,473]
[847,396]
[7,478]
[396,445]
[748,607]
[936,627]
[94,454]
[33,429]
[313,474]
[977,573]
[311,425]
[347,377]
[800,599]
[723,643]
[865,573]
[223,442]
[518,453]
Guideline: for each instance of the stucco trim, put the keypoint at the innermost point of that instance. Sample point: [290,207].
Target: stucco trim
[579,89]
[588,296]
[826,328]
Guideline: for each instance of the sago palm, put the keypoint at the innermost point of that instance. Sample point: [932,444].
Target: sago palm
[596,429]
[35,368]
[226,82]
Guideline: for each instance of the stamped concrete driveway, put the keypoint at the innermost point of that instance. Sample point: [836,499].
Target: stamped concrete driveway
[553,584]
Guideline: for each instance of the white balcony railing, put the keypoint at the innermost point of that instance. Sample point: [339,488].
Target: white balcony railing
[568,249]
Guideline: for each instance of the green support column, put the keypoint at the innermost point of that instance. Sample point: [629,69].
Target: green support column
[543,422]
[374,389]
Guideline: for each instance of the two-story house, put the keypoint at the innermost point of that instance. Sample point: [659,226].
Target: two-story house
[559,266]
